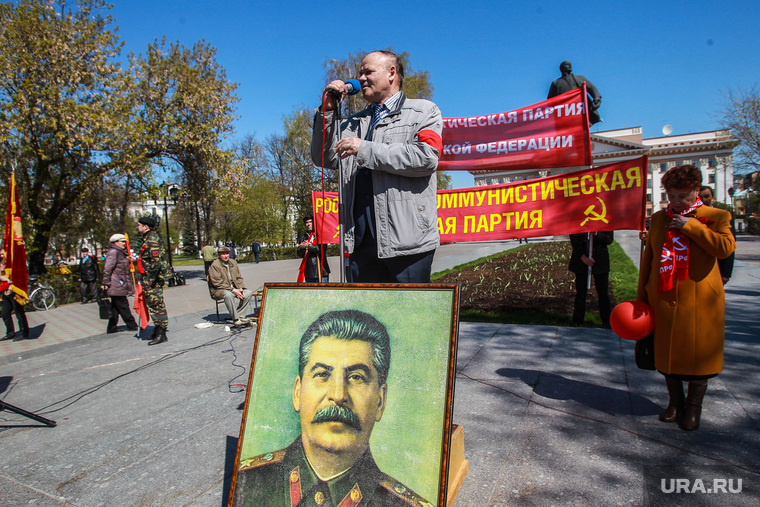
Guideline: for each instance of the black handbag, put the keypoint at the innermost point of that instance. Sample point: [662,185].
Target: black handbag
[644,351]
[104,305]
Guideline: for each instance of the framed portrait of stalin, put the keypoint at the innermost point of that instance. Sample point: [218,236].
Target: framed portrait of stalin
[349,397]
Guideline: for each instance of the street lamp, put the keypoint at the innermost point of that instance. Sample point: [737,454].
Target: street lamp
[172,192]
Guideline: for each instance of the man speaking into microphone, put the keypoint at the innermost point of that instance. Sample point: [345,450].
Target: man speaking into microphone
[389,153]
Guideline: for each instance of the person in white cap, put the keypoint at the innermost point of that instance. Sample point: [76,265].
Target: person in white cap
[117,283]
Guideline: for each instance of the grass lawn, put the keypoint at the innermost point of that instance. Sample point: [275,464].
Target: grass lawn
[532,285]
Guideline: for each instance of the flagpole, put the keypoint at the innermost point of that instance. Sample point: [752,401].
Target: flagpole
[134,282]
[590,256]
[131,263]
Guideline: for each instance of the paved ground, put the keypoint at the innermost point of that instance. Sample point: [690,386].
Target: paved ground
[552,415]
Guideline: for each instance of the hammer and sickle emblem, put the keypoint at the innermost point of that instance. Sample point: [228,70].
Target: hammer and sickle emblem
[678,245]
[591,214]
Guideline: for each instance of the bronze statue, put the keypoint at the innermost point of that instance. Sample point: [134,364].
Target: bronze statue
[570,81]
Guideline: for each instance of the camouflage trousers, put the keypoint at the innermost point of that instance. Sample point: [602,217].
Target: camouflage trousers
[154,298]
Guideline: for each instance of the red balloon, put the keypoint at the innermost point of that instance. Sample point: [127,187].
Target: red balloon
[632,320]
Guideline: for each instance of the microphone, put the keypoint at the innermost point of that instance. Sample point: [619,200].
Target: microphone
[353,86]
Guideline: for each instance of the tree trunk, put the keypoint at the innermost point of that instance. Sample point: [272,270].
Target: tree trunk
[36,254]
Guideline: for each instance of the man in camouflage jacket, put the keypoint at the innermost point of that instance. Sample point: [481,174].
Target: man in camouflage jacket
[154,269]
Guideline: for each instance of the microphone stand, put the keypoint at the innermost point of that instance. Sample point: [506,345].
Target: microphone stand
[30,415]
[341,204]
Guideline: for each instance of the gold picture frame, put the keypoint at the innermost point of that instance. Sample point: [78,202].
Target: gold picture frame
[406,425]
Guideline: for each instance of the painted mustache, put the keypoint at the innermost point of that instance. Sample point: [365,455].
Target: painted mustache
[337,413]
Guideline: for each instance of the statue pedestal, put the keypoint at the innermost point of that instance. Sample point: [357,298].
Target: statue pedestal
[458,466]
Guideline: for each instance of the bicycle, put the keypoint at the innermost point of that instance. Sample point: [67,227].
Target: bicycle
[41,296]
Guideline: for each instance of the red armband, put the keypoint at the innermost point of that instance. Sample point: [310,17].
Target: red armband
[432,138]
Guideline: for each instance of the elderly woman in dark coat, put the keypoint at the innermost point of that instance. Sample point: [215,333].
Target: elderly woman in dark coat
[681,281]
[117,282]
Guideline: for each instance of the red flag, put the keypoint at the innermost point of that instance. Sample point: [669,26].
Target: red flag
[141,307]
[15,252]
[325,209]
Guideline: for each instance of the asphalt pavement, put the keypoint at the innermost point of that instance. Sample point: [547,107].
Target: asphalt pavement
[551,415]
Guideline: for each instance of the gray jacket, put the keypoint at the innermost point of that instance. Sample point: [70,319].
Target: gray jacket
[403,173]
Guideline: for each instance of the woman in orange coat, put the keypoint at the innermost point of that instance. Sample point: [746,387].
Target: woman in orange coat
[680,280]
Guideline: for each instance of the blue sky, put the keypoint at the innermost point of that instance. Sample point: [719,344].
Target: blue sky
[654,63]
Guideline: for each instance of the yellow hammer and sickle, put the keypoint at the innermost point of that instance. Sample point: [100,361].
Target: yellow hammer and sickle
[591,214]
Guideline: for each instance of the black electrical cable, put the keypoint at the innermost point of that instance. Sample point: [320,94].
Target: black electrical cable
[70,400]
[238,388]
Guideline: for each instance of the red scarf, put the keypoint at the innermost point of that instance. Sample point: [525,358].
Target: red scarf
[674,261]
[302,269]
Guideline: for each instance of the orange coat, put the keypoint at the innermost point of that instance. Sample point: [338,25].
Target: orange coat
[689,318]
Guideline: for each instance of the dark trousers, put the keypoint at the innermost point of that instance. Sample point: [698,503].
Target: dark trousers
[315,279]
[366,267]
[88,287]
[120,306]
[9,306]
[206,265]
[601,282]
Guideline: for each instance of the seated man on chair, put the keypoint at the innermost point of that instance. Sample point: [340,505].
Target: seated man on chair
[225,282]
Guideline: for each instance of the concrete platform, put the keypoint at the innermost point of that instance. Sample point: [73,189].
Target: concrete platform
[551,415]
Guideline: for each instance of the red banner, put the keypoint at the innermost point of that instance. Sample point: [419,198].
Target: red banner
[325,210]
[552,133]
[15,251]
[608,198]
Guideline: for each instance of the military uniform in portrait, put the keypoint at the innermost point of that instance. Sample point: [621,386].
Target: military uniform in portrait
[285,479]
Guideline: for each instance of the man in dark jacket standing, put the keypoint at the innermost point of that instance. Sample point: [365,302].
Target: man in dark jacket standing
[314,267]
[599,263]
[256,248]
[88,275]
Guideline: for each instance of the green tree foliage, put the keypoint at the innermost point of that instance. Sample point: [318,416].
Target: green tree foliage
[183,106]
[444,180]
[741,114]
[290,166]
[85,135]
[93,220]
[61,108]
[253,209]
[257,214]
[189,241]
[182,101]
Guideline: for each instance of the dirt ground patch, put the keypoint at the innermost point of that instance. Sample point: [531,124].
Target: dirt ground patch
[534,277]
